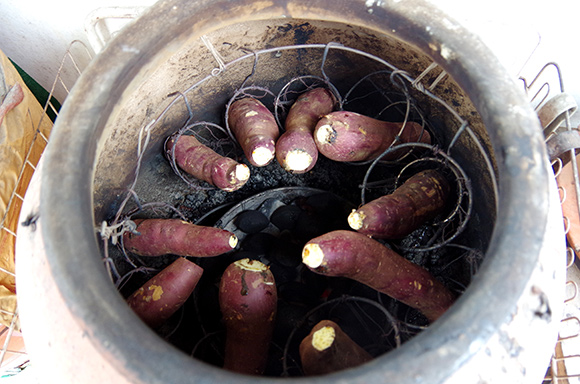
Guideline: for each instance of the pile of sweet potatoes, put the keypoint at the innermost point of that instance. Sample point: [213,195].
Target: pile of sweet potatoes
[313,126]
[257,289]
[257,279]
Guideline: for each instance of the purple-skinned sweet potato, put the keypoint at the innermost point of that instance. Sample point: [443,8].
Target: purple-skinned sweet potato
[248,300]
[328,349]
[160,297]
[295,149]
[255,128]
[158,237]
[349,136]
[358,257]
[393,216]
[205,164]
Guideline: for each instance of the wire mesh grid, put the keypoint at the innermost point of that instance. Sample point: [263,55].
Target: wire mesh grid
[557,373]
[122,264]
[432,74]
[555,107]
[12,350]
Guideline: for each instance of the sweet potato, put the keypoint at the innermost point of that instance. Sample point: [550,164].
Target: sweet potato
[328,349]
[160,297]
[158,237]
[358,257]
[349,136]
[205,164]
[295,149]
[248,299]
[255,128]
[393,216]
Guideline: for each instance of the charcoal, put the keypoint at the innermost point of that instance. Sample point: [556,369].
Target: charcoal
[260,243]
[309,226]
[283,274]
[251,221]
[286,253]
[286,217]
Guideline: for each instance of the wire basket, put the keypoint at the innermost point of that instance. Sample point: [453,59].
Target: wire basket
[11,341]
[398,92]
[555,107]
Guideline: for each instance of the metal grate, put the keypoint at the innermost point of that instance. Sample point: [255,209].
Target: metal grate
[555,107]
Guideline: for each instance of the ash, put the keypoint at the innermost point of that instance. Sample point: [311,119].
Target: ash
[342,179]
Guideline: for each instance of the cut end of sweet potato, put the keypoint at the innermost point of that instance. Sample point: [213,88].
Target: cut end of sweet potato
[325,134]
[229,175]
[312,255]
[233,241]
[251,265]
[262,156]
[323,338]
[356,219]
[241,173]
[297,160]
